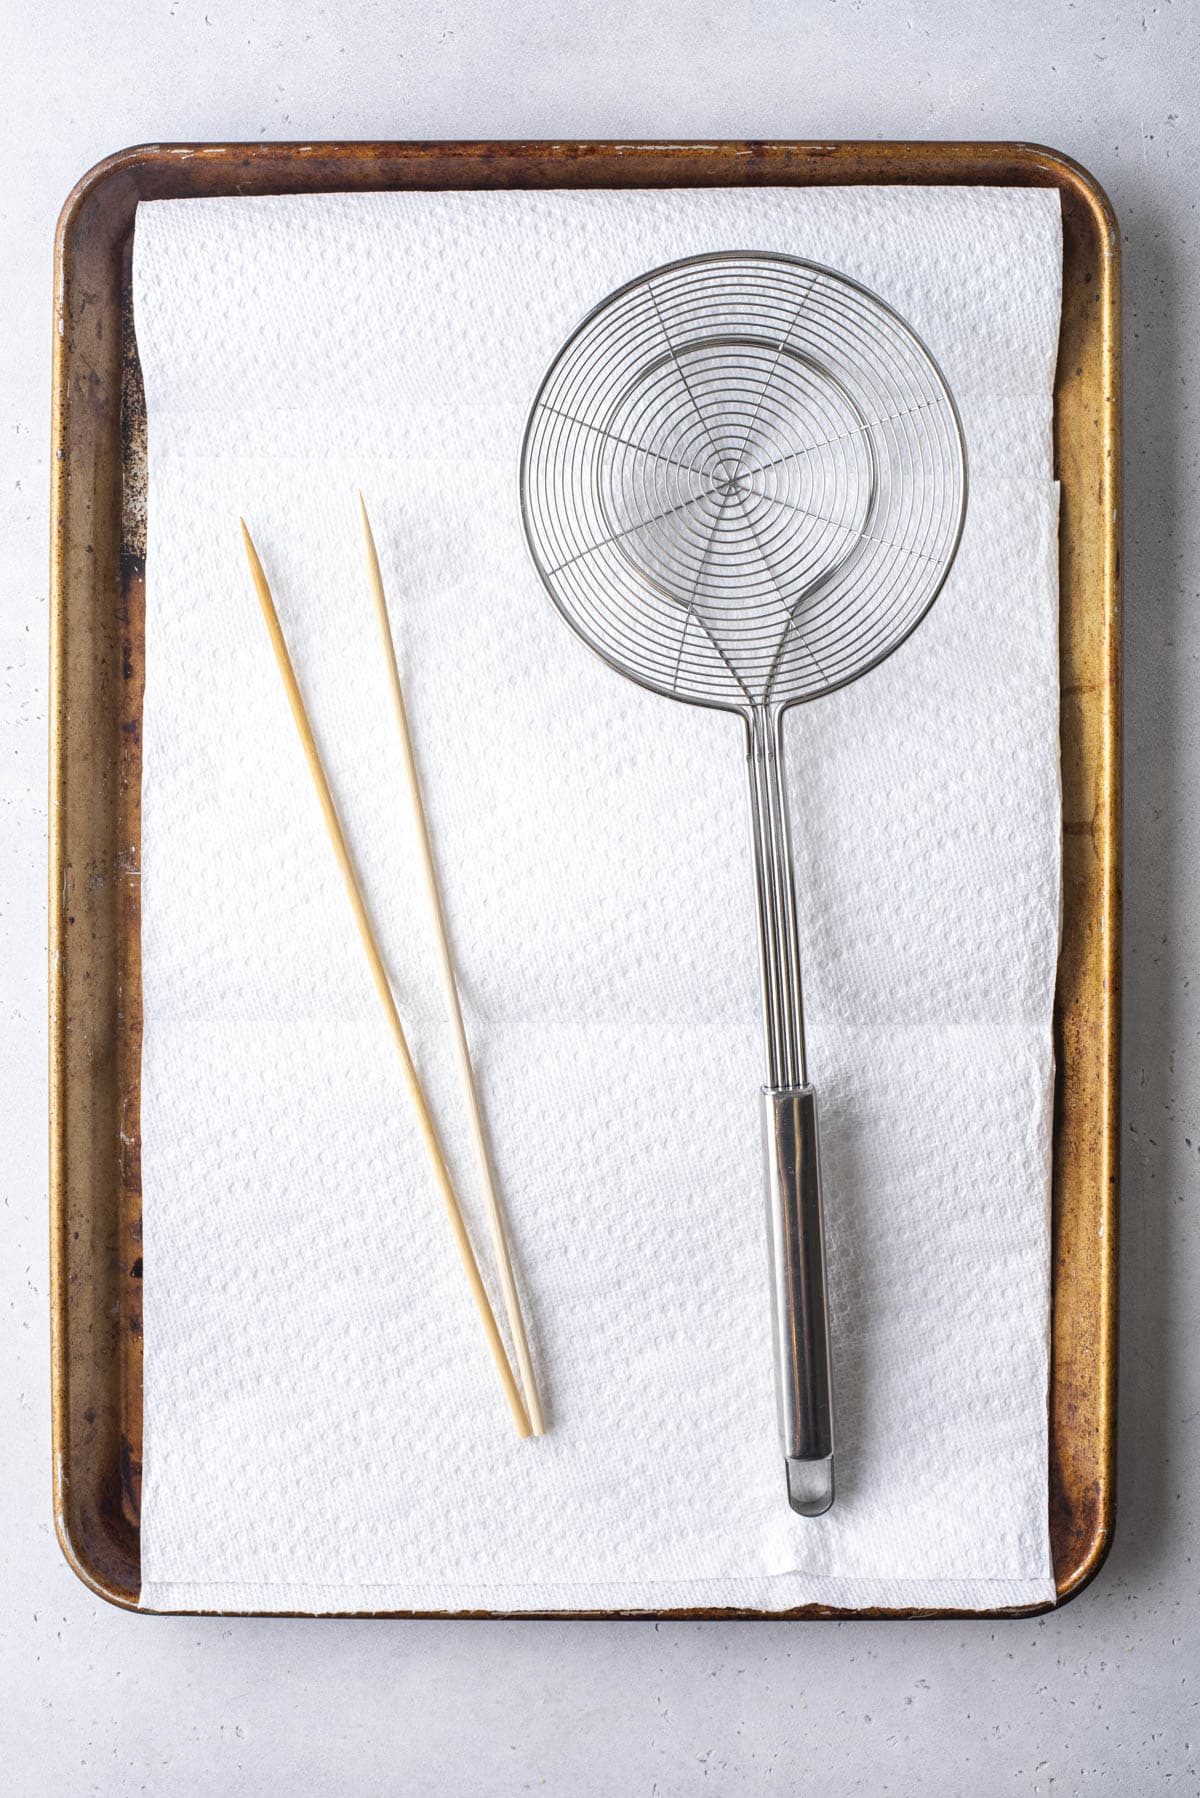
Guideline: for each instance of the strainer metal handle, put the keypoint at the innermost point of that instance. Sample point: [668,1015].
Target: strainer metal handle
[800,1311]
[799,1306]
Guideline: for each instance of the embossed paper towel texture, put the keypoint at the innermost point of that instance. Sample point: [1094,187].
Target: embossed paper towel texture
[323,1427]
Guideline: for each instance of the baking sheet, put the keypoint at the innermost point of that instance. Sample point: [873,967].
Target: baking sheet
[95,998]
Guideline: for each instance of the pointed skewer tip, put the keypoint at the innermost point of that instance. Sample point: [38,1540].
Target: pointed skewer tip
[252,555]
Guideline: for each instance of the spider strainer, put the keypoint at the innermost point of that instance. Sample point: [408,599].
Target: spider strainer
[743,482]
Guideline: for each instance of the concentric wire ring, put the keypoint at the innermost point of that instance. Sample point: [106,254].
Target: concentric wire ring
[743,480]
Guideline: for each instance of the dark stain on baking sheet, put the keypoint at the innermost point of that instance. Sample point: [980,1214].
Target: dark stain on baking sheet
[134,466]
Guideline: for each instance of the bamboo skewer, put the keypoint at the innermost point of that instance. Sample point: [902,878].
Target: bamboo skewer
[450,992]
[383,986]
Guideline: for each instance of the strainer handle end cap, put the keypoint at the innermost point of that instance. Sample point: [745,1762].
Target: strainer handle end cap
[799,1302]
[810,1486]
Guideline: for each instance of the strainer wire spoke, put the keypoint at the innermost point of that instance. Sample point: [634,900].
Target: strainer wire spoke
[770,374]
[639,524]
[641,448]
[691,613]
[687,386]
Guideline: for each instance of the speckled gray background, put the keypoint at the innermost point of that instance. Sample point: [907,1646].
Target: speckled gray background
[1099,1699]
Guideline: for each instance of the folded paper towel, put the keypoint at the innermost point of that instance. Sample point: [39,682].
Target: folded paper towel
[323,1429]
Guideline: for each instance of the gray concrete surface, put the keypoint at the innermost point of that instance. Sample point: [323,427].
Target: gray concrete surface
[1101,1698]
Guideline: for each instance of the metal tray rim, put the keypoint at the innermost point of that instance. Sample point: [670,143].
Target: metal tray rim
[727,163]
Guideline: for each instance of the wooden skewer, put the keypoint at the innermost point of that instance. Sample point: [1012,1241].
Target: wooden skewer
[383,986]
[453,1002]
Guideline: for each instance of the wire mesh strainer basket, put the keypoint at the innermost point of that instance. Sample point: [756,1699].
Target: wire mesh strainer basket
[743,483]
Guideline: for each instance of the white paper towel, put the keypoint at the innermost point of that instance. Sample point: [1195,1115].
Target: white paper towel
[323,1428]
